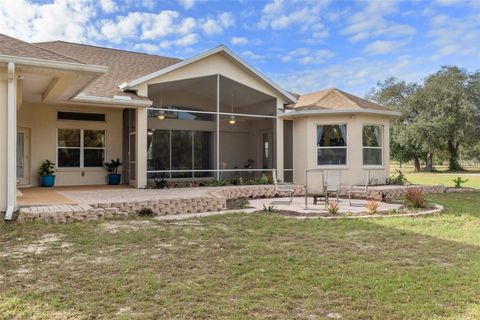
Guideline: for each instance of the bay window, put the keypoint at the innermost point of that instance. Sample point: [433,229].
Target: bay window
[332,144]
[372,136]
[80,148]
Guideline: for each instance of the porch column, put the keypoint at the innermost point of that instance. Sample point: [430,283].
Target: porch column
[141,148]
[279,142]
[217,144]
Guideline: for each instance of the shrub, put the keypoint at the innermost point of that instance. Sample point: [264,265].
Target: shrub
[237,203]
[415,198]
[372,206]
[145,212]
[398,179]
[333,207]
[160,183]
[458,181]
[268,208]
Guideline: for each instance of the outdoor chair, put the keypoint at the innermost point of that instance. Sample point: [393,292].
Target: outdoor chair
[333,183]
[358,189]
[283,188]
[314,185]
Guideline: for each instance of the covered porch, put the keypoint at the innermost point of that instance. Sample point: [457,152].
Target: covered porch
[212,127]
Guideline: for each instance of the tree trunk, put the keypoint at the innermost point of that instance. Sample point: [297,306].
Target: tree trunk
[416,163]
[453,163]
[429,162]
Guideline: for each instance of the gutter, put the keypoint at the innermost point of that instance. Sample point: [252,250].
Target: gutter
[11,128]
[294,113]
[116,100]
[53,64]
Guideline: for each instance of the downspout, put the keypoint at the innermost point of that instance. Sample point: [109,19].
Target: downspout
[11,126]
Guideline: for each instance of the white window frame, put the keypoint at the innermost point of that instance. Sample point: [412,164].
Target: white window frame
[382,134]
[82,149]
[331,166]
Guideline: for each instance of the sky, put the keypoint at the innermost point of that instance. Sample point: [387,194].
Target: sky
[304,45]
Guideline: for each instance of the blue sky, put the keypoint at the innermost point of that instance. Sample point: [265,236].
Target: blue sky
[302,45]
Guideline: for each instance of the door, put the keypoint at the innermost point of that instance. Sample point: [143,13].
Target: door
[23,156]
[267,152]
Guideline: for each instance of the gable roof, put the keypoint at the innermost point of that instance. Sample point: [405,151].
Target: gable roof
[123,66]
[334,98]
[221,48]
[14,47]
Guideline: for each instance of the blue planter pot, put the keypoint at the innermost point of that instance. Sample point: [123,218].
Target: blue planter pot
[47,181]
[114,178]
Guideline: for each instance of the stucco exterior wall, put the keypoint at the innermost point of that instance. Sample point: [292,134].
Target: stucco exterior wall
[43,124]
[354,172]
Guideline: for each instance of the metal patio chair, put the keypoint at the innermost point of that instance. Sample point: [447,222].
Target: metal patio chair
[333,183]
[358,189]
[283,188]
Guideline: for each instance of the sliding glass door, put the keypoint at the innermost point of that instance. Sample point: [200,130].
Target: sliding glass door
[182,151]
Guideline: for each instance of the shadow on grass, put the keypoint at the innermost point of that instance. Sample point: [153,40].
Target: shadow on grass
[240,266]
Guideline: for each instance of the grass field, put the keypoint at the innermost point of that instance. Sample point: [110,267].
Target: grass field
[441,176]
[244,266]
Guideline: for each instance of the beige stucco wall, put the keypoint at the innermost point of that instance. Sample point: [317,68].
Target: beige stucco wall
[305,151]
[43,124]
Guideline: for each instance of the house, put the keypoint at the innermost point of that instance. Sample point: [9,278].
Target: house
[209,116]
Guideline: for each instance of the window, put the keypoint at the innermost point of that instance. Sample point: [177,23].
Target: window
[80,116]
[372,137]
[332,145]
[80,148]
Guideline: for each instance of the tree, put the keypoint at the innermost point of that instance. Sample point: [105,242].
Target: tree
[405,144]
[442,113]
[451,106]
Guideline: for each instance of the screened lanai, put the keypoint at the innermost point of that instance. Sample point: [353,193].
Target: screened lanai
[209,127]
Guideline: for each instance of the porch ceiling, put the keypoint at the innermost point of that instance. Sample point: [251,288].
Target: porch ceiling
[206,87]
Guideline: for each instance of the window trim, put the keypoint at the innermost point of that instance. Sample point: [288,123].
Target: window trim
[332,166]
[382,133]
[82,149]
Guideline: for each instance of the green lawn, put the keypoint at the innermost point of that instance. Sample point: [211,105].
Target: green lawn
[244,266]
[440,177]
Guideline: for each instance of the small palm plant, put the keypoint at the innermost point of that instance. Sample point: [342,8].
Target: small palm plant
[458,181]
[333,207]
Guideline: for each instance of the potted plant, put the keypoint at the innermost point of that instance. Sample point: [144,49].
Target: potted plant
[47,173]
[114,177]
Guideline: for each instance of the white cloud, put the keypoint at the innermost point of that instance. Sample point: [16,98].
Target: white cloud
[108,6]
[146,26]
[60,20]
[147,47]
[239,41]
[306,15]
[250,55]
[383,47]
[307,56]
[212,26]
[370,22]
[459,36]
[357,75]
[187,4]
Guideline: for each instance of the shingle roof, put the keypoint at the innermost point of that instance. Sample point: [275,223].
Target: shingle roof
[333,98]
[15,47]
[123,65]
